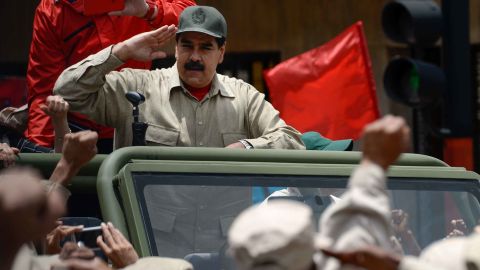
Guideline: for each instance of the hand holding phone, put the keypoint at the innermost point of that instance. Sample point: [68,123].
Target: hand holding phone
[116,247]
[58,236]
[88,236]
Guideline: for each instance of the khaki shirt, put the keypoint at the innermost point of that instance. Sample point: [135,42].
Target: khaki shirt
[231,111]
[193,219]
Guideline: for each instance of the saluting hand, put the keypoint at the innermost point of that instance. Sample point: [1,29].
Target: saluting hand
[145,46]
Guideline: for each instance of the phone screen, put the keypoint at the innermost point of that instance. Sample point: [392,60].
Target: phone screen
[88,236]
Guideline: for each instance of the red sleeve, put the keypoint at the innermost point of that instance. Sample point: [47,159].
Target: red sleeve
[45,64]
[169,10]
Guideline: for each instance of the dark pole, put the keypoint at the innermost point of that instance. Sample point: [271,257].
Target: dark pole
[456,62]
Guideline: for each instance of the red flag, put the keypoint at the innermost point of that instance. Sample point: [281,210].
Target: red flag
[329,89]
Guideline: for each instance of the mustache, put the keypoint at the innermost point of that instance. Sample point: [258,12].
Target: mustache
[194,66]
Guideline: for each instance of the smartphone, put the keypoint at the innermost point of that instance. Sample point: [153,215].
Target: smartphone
[88,236]
[98,7]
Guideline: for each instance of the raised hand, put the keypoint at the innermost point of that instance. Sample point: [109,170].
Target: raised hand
[8,155]
[78,149]
[384,140]
[56,107]
[81,264]
[145,46]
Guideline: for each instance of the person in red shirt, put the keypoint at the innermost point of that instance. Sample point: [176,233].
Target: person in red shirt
[63,35]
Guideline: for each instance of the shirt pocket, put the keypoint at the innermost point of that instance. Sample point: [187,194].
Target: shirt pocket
[162,220]
[158,135]
[230,137]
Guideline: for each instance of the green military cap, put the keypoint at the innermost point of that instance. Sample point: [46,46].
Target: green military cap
[315,141]
[203,19]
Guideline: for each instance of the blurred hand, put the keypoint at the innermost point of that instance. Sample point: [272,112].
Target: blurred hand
[8,155]
[238,145]
[56,107]
[145,46]
[72,251]
[80,264]
[79,148]
[58,234]
[459,228]
[369,257]
[136,8]
[116,247]
[384,140]
[399,221]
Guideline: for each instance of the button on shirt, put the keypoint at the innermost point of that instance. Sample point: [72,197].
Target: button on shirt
[231,111]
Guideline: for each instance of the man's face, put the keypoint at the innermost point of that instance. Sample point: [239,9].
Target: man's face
[197,56]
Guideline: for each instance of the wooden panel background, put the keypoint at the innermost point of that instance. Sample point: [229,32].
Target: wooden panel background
[289,26]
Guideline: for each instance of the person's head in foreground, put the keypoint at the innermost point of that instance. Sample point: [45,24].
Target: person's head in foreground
[275,236]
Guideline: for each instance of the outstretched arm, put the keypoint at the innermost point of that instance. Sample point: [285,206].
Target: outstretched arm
[57,109]
[93,88]
[362,217]
[78,149]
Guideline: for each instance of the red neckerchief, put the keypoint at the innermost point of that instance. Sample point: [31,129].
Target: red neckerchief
[198,93]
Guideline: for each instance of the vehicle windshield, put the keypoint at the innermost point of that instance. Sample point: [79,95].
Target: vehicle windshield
[187,215]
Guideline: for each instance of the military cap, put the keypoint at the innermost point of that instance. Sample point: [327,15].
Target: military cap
[276,235]
[203,19]
[315,141]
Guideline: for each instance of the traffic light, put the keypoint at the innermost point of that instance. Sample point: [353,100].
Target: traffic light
[412,22]
[416,83]
[413,82]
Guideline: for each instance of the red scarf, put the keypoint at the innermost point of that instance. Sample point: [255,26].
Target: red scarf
[199,93]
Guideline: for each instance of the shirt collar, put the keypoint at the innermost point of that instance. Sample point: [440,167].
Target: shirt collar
[217,86]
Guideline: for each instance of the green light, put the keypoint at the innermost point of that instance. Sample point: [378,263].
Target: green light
[414,80]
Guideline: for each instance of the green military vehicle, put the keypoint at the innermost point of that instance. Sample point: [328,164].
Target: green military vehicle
[180,202]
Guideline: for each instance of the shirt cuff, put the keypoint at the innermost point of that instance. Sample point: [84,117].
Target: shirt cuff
[107,60]
[54,186]
[258,143]
[368,175]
